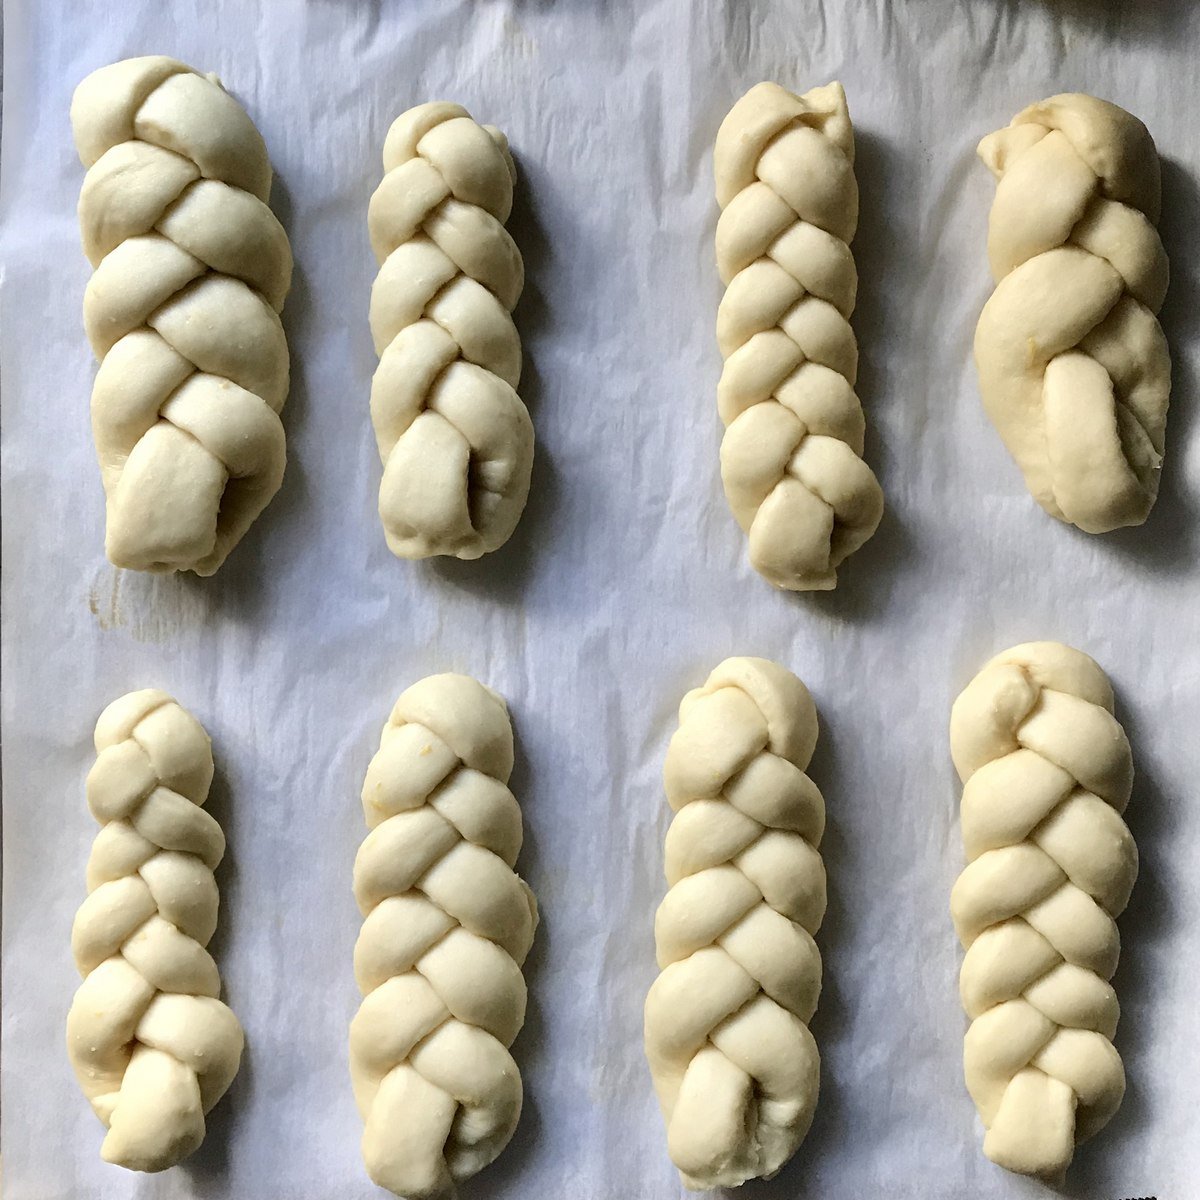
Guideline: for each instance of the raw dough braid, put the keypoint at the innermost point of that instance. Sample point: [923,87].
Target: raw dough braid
[791,457]
[455,440]
[152,1046]
[1073,366]
[448,924]
[734,1065]
[1047,771]
[191,270]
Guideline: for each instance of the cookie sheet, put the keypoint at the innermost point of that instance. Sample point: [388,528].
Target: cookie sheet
[625,583]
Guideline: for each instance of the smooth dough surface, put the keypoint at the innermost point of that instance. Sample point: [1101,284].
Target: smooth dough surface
[191,269]
[447,924]
[1073,365]
[455,439]
[791,456]
[1046,772]
[152,1045]
[726,1022]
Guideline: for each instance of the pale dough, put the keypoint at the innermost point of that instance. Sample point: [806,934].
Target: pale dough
[455,439]
[726,1023]
[791,457]
[1073,366]
[1047,772]
[152,1045]
[191,270]
[447,925]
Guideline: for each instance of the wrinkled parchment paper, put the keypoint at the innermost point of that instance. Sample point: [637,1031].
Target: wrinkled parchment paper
[625,583]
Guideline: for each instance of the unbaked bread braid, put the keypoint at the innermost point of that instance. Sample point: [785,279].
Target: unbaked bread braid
[1047,772]
[191,270]
[448,923]
[455,439]
[1073,365]
[791,457]
[734,1065]
[152,1045]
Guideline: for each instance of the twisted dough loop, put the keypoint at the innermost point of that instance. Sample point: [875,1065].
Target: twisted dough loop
[191,270]
[726,1023]
[1073,366]
[152,1046]
[791,457]
[1047,772]
[455,440]
[448,924]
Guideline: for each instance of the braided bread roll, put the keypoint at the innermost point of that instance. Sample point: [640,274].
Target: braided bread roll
[735,1067]
[152,1046]
[447,925]
[791,457]
[1073,365]
[191,270]
[1047,772]
[455,440]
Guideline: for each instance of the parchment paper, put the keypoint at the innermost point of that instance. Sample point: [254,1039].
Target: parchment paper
[625,583]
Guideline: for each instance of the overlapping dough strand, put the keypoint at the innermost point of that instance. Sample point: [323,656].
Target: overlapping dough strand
[791,456]
[454,437]
[726,1022]
[1047,771]
[1074,369]
[191,271]
[152,1046]
[447,925]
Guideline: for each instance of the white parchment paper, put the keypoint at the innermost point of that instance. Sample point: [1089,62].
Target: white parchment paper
[625,583]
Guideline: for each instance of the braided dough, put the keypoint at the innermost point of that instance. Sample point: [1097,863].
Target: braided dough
[791,457]
[734,1065]
[152,1046]
[191,270]
[455,440]
[447,925]
[1073,366]
[1047,772]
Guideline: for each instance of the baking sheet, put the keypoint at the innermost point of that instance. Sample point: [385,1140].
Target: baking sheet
[625,583]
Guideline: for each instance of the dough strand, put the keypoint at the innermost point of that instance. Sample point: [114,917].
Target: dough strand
[726,1023]
[191,271]
[1046,772]
[791,457]
[151,1043]
[447,923]
[454,437]
[1074,369]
